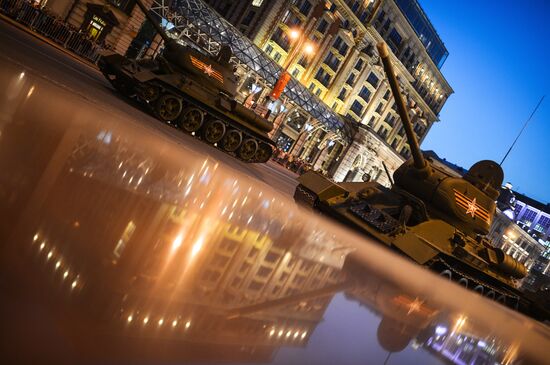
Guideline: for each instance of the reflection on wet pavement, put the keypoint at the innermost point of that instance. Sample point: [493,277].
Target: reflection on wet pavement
[121,245]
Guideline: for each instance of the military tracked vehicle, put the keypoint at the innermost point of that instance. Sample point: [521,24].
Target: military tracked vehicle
[435,218]
[193,92]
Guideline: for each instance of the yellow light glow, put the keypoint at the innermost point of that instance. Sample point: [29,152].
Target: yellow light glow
[272,332]
[197,246]
[74,284]
[65,274]
[309,49]
[177,242]
[145,320]
[50,254]
[130,318]
[174,323]
[35,237]
[161,321]
[288,333]
[294,34]
[187,324]
[304,334]
[42,245]
[296,334]
[57,264]
[280,333]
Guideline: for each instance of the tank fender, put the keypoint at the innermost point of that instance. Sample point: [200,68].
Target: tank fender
[144,76]
[426,240]
[320,185]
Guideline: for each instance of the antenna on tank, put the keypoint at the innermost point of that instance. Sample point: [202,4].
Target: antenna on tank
[521,131]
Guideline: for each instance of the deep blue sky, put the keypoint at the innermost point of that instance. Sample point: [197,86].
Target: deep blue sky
[499,67]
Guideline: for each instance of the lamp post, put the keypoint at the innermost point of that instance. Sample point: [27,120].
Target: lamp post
[308,49]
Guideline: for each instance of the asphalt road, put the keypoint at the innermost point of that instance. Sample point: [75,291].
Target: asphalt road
[24,50]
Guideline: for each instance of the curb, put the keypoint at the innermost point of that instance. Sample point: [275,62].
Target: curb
[48,41]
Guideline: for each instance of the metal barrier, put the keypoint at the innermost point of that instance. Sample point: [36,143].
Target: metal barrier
[40,21]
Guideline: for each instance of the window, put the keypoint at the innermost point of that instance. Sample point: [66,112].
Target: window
[379,108]
[332,62]
[268,49]
[351,79]
[323,77]
[257,2]
[277,57]
[373,80]
[341,46]
[382,132]
[281,39]
[305,7]
[357,108]
[323,25]
[246,20]
[364,94]
[342,94]
[387,95]
[394,40]
[359,64]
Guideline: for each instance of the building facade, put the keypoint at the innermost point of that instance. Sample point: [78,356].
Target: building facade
[113,23]
[344,71]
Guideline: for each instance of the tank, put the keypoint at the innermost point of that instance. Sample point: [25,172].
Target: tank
[434,217]
[193,92]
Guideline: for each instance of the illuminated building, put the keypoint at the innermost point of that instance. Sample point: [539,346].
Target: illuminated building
[344,73]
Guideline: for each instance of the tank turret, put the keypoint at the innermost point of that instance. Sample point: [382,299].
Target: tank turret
[194,92]
[430,214]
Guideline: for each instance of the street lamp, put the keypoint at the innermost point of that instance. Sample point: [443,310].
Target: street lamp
[298,38]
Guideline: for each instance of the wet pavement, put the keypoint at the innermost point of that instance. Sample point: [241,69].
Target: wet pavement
[124,241]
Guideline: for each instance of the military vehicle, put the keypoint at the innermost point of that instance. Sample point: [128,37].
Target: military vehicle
[195,93]
[435,218]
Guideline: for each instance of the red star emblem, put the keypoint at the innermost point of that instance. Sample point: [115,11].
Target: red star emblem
[472,208]
[208,70]
[415,306]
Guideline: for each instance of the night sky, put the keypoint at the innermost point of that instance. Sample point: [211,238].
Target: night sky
[499,68]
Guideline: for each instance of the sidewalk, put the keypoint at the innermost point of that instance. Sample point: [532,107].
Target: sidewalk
[48,41]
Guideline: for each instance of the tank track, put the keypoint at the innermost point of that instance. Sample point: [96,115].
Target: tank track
[500,295]
[244,144]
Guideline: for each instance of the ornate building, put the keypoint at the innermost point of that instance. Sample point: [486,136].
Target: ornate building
[343,70]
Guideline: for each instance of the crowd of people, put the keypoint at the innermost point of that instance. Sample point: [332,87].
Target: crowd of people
[291,162]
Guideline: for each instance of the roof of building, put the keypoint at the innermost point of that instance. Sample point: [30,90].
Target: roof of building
[457,169]
[532,202]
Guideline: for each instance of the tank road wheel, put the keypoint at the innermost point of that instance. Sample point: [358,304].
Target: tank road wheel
[479,289]
[263,153]
[148,93]
[447,274]
[168,107]
[214,131]
[232,140]
[248,149]
[463,282]
[191,119]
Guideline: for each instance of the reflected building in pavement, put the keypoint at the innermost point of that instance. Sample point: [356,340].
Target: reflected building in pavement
[149,249]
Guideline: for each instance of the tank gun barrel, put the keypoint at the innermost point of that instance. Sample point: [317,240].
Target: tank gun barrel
[419,161]
[155,24]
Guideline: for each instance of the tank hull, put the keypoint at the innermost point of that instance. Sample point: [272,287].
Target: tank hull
[184,100]
[434,243]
